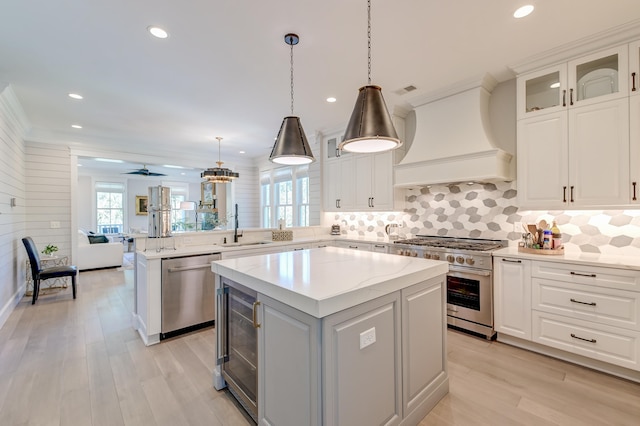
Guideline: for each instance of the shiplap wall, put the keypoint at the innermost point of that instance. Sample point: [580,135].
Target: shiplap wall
[48,179]
[13,125]
[246,193]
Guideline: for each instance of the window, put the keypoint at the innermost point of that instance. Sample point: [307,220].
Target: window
[179,194]
[109,207]
[284,195]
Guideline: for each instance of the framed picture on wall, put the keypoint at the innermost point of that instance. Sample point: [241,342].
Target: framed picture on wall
[141,204]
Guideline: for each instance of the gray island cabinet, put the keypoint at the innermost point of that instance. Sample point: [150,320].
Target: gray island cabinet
[343,337]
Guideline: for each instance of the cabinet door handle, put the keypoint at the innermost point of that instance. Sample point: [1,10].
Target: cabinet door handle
[583,275]
[337,152]
[582,338]
[570,96]
[255,314]
[322,246]
[338,203]
[583,303]
[564,194]
[512,261]
[633,82]
[564,98]
[634,191]
[571,193]
[353,247]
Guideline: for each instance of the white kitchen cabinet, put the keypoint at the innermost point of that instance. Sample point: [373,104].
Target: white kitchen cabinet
[575,159]
[353,245]
[634,138]
[512,297]
[374,181]
[297,247]
[380,248]
[587,310]
[586,80]
[331,143]
[573,139]
[339,185]
[634,68]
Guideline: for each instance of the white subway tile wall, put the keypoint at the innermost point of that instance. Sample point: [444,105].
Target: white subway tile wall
[490,211]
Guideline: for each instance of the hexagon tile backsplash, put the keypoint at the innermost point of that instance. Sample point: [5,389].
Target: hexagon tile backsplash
[490,210]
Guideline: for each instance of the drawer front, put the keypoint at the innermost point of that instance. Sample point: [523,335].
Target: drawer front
[608,344]
[623,279]
[613,307]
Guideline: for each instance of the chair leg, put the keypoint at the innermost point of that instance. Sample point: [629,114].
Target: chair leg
[73,285]
[35,292]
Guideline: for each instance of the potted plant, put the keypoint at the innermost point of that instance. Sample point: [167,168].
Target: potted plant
[49,250]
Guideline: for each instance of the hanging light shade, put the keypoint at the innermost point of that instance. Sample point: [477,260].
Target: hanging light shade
[291,146]
[370,128]
[219,174]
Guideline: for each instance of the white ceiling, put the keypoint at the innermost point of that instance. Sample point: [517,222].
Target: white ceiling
[224,70]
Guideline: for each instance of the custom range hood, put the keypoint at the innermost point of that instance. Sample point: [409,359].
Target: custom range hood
[453,142]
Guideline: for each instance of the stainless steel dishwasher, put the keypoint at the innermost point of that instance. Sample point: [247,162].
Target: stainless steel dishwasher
[188,294]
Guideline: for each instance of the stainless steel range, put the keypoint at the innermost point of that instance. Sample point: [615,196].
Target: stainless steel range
[470,277]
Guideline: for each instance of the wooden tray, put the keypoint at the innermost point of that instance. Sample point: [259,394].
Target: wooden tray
[541,251]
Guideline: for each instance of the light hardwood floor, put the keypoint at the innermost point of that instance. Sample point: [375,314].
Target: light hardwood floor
[66,362]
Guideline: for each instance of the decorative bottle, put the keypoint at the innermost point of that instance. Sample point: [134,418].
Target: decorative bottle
[557,236]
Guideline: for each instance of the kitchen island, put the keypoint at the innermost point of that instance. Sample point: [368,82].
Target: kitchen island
[343,336]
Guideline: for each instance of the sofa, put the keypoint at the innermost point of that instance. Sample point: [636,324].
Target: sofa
[97,251]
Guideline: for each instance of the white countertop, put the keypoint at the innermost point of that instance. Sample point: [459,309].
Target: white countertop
[194,250]
[592,259]
[323,281]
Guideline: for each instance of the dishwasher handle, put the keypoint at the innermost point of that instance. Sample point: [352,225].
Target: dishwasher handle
[188,268]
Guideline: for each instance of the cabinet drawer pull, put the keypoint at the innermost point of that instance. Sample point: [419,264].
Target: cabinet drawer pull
[633,82]
[582,338]
[564,194]
[255,314]
[564,98]
[379,246]
[570,96]
[583,303]
[322,246]
[298,249]
[571,194]
[512,261]
[634,191]
[583,275]
[353,247]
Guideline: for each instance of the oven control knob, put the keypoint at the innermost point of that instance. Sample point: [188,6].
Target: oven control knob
[427,256]
[435,256]
[450,258]
[470,261]
[460,259]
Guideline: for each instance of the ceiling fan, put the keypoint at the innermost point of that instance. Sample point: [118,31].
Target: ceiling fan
[144,172]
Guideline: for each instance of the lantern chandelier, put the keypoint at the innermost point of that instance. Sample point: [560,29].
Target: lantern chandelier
[370,128]
[291,146]
[219,174]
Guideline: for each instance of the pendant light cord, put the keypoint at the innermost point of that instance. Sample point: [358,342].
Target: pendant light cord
[291,44]
[368,38]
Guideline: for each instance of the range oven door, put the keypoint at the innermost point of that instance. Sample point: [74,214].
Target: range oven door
[470,295]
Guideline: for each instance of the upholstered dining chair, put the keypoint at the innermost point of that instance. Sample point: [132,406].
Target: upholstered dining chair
[40,274]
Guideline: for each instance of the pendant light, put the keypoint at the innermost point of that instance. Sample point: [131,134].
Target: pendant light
[370,128]
[219,174]
[291,146]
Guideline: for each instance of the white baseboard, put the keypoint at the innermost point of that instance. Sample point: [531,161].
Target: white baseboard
[11,304]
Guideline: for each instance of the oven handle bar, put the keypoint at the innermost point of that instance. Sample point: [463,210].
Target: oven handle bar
[469,272]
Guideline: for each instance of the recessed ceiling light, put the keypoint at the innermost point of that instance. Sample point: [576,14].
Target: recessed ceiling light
[242,152]
[555,85]
[75,96]
[79,165]
[109,160]
[182,174]
[76,126]
[157,32]
[523,11]
[331,100]
[169,166]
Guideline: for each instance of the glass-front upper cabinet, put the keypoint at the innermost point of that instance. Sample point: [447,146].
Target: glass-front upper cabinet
[542,91]
[331,145]
[589,79]
[598,77]
[634,68]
